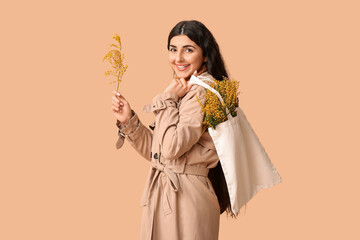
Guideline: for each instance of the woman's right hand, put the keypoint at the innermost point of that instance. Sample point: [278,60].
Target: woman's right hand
[178,86]
[121,108]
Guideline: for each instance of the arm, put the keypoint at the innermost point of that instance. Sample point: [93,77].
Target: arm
[179,128]
[139,137]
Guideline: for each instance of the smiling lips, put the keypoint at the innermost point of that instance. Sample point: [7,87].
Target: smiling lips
[182,67]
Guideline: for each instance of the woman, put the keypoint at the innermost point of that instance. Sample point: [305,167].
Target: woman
[182,198]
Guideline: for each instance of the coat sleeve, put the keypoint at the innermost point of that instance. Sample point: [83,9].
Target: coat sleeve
[179,128]
[138,136]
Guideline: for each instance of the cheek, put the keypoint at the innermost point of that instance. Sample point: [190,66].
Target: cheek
[197,61]
[171,58]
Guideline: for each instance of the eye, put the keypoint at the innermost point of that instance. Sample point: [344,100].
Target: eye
[188,50]
[172,49]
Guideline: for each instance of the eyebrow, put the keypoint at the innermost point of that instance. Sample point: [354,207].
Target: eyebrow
[183,46]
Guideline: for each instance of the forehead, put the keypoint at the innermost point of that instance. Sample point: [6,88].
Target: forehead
[182,40]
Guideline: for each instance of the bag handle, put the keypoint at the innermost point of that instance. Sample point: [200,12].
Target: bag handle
[196,80]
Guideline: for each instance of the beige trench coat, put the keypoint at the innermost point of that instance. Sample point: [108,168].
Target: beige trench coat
[179,202]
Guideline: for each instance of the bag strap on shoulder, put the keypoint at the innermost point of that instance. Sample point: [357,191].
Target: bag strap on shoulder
[196,80]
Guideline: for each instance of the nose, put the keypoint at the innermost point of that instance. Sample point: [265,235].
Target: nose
[179,57]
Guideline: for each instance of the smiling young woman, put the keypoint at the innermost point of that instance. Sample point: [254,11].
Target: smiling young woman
[185,191]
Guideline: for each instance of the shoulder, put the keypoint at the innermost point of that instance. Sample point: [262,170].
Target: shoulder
[198,89]
[195,91]
[195,87]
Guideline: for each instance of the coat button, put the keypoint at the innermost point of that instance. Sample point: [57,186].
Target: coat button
[156,156]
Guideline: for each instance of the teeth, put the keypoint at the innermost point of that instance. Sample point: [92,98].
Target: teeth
[182,67]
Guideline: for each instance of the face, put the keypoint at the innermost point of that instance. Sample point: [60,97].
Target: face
[185,56]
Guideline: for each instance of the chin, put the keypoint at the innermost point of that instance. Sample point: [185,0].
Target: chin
[186,77]
[183,75]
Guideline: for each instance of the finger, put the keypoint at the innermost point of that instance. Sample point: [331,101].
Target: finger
[114,109]
[195,73]
[178,82]
[183,82]
[115,99]
[188,87]
[116,93]
[115,104]
[122,98]
[119,95]
[119,102]
[174,81]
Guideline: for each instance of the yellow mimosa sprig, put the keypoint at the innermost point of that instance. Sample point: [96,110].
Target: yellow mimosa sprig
[115,57]
[214,111]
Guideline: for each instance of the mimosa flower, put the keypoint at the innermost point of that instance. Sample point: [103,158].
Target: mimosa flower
[115,57]
[214,111]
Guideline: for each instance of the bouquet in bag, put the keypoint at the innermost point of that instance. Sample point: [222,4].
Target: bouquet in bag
[214,111]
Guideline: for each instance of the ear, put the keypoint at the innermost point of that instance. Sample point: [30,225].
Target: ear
[205,59]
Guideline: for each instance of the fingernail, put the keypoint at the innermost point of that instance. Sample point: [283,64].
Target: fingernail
[195,72]
[118,94]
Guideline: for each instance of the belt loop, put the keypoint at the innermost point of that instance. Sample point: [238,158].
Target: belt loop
[160,104]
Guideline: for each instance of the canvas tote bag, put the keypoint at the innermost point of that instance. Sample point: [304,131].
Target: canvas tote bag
[245,164]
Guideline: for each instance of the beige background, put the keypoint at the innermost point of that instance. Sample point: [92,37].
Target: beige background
[60,174]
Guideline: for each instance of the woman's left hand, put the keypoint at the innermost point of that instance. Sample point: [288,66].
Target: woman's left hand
[179,87]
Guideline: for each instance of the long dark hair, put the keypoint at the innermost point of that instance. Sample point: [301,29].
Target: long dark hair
[215,66]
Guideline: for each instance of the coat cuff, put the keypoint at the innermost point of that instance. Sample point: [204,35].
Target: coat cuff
[162,101]
[131,127]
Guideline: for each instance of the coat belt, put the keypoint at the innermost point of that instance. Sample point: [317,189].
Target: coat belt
[170,171]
